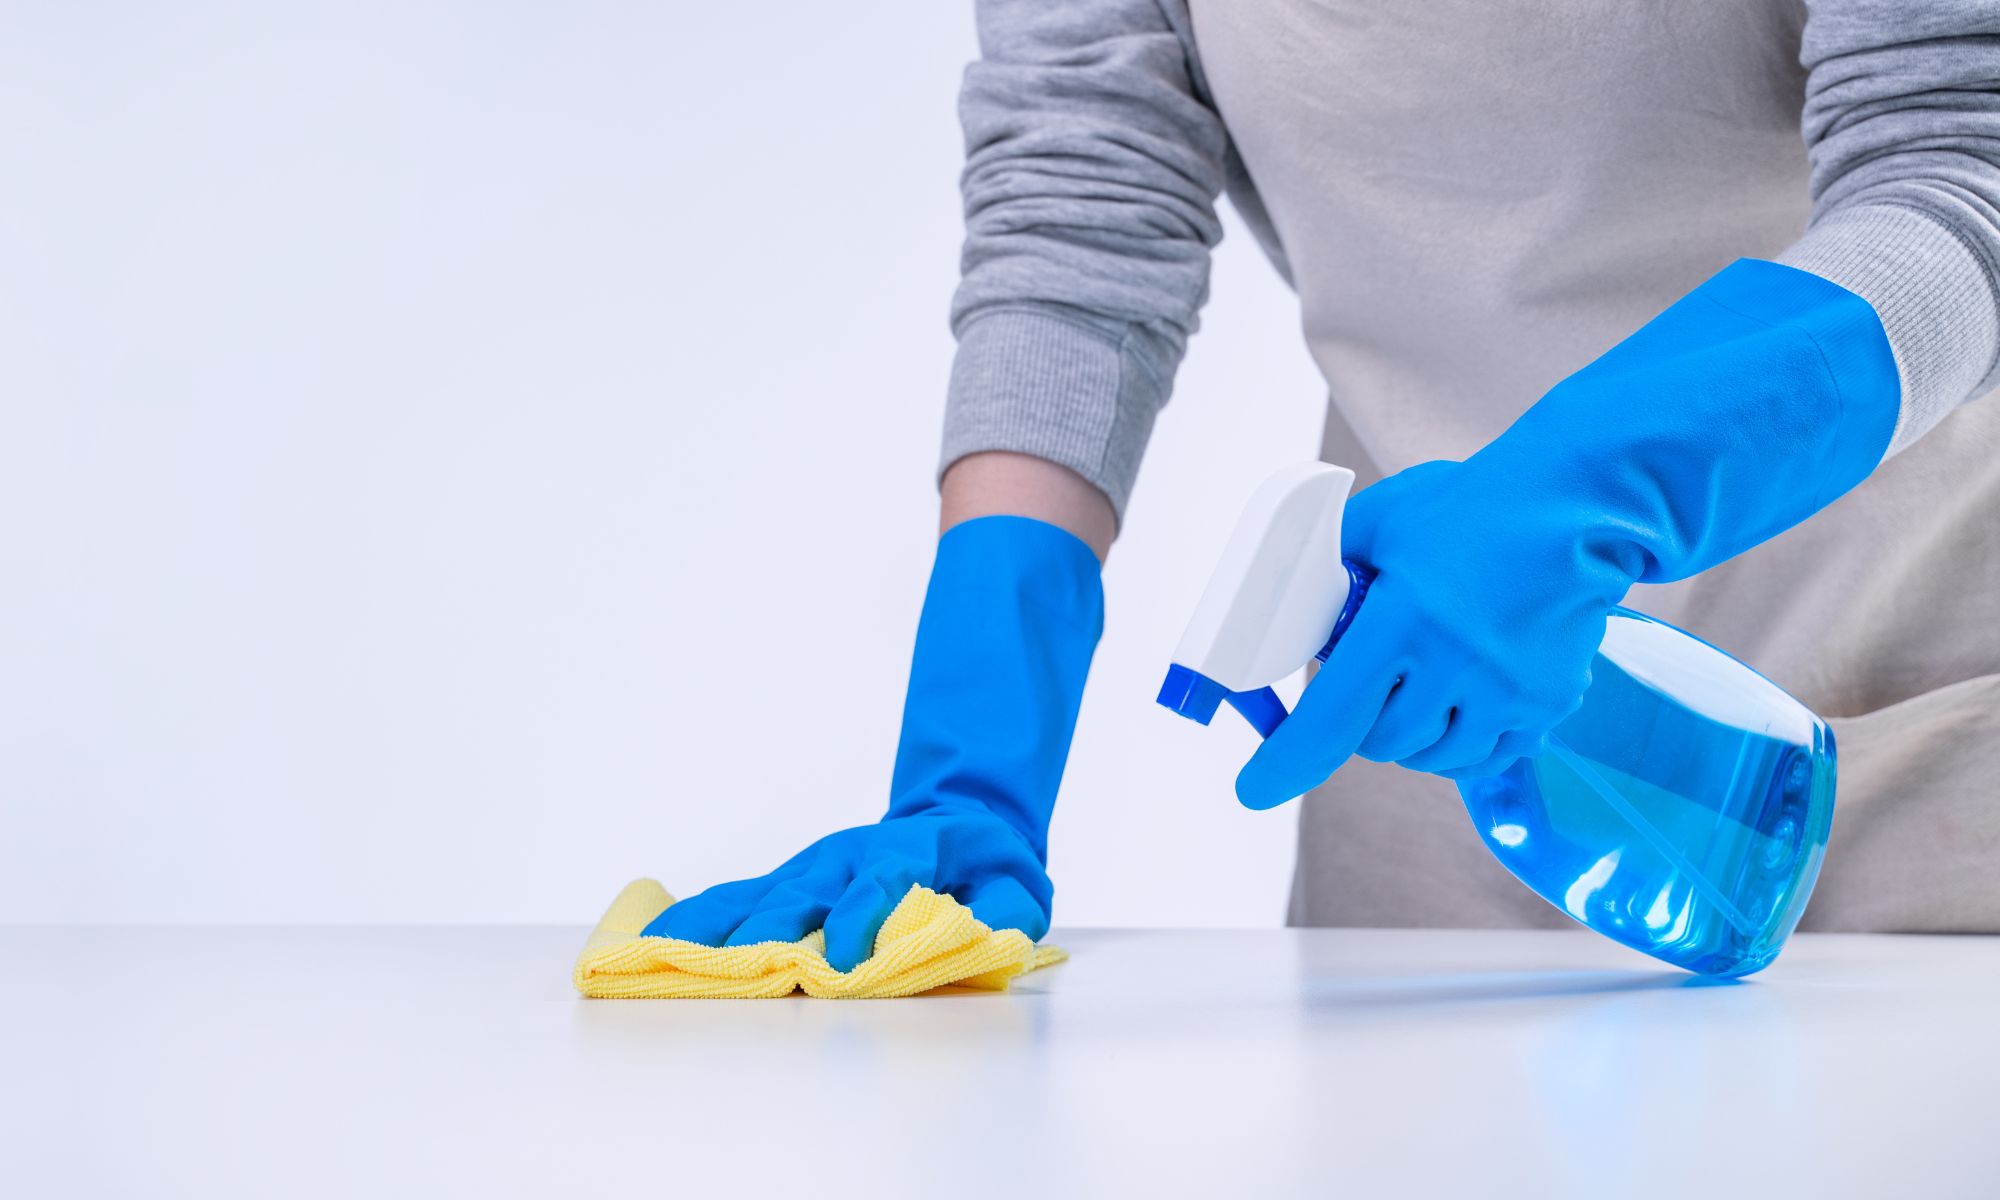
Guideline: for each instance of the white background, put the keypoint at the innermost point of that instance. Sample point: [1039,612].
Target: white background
[455,458]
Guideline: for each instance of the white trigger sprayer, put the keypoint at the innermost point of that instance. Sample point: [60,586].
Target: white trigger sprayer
[1280,595]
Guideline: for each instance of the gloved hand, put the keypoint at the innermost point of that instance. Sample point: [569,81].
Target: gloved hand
[1746,407]
[1012,617]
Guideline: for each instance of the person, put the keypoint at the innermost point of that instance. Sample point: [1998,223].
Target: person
[1682,306]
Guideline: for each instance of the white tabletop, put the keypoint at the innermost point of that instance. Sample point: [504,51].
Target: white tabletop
[382,1061]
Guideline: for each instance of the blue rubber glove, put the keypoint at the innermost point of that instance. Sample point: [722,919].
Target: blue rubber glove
[1008,628]
[1740,411]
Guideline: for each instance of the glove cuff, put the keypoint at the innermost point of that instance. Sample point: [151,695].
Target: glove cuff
[1010,622]
[1851,341]
[1934,292]
[1747,406]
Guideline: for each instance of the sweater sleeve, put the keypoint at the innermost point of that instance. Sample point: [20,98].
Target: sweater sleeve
[1902,124]
[1093,163]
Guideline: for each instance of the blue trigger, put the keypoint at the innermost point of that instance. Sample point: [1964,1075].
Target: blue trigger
[1197,697]
[1261,708]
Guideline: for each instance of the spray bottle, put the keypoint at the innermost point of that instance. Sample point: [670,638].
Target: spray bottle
[1682,809]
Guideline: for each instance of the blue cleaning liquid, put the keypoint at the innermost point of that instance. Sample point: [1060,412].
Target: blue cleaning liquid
[1682,810]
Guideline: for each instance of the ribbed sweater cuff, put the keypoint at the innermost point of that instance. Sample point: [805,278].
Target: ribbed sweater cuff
[1933,293]
[1044,384]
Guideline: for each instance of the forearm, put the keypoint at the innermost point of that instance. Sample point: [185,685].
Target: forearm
[999,483]
[1093,162]
[1903,127]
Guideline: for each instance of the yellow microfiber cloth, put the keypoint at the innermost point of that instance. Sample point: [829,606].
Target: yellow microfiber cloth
[929,941]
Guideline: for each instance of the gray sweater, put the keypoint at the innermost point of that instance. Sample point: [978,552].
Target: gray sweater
[1096,152]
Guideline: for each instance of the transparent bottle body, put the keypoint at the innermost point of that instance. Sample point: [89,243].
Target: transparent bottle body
[1682,810]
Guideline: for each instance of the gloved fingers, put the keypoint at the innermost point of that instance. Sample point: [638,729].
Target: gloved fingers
[1469,740]
[1003,902]
[780,919]
[1512,747]
[1336,712]
[796,906]
[854,920]
[707,917]
[1414,717]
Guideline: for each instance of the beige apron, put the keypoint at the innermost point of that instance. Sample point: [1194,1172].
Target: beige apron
[1474,199]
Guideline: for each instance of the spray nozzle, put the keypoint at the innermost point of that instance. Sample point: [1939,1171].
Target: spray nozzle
[1280,595]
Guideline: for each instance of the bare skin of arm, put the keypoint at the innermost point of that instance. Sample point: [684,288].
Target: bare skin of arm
[1000,483]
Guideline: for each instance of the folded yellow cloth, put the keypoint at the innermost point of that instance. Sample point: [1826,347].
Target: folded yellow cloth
[929,941]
